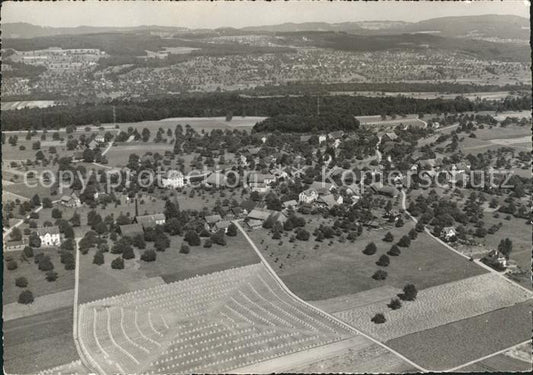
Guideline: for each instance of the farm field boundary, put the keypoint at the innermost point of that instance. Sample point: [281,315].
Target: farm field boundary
[454,345]
[213,324]
[41,304]
[351,301]
[436,306]
[288,362]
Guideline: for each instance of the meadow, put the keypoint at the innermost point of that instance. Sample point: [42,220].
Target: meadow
[321,270]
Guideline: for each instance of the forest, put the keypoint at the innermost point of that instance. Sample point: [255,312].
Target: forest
[307,123]
[222,104]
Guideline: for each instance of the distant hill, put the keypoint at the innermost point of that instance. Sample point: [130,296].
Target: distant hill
[487,26]
[22,30]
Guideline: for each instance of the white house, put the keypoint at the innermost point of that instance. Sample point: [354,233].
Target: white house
[448,233]
[321,138]
[49,236]
[173,180]
[99,138]
[308,196]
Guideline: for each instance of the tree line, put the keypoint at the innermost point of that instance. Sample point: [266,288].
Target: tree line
[220,104]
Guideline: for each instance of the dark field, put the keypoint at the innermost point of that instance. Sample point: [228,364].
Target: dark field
[454,344]
[39,342]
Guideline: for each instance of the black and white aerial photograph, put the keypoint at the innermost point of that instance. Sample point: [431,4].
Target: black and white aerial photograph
[261,187]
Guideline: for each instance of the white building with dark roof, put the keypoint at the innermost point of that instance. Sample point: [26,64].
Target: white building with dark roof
[49,236]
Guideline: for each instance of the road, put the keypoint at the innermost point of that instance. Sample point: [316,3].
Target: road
[353,329]
[476,261]
[10,229]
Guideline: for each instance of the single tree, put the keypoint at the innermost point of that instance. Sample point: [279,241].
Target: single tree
[409,293]
[383,261]
[379,318]
[395,304]
[26,297]
[388,237]
[370,249]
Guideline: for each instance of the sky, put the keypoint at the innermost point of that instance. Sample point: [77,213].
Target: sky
[242,13]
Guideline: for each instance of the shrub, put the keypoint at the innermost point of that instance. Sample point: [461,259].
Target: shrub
[208,243]
[395,304]
[26,297]
[388,237]
[51,276]
[409,293]
[184,249]
[379,318]
[380,275]
[117,263]
[394,251]
[302,235]
[383,261]
[98,258]
[12,265]
[21,282]
[370,249]
[413,234]
[149,255]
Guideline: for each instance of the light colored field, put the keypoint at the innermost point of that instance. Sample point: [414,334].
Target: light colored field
[457,343]
[435,95]
[352,301]
[27,104]
[372,359]
[118,155]
[209,324]
[75,367]
[41,304]
[198,123]
[101,281]
[437,306]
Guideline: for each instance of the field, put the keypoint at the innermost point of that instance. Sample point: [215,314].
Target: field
[39,342]
[338,269]
[6,106]
[197,123]
[37,283]
[517,137]
[437,306]
[371,359]
[515,359]
[118,155]
[454,344]
[378,122]
[496,95]
[101,281]
[213,323]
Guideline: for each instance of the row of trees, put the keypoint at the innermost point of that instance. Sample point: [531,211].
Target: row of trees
[219,104]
